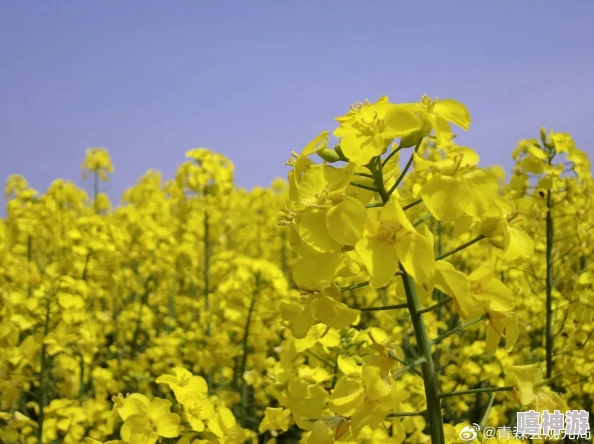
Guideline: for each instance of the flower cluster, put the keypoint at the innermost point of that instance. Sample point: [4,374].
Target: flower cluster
[392,290]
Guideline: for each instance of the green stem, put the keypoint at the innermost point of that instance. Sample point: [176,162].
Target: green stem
[461,327]
[579,347]
[436,306]
[406,414]
[376,169]
[485,419]
[424,349]
[86,267]
[365,187]
[363,284]
[421,220]
[549,286]
[505,388]
[283,254]
[477,390]
[412,204]
[325,361]
[385,307]
[409,368]
[441,299]
[461,247]
[406,168]
[389,156]
[355,286]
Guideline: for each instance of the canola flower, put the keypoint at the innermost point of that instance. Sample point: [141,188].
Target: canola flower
[363,300]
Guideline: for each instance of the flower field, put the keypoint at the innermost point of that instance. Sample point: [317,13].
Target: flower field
[391,290]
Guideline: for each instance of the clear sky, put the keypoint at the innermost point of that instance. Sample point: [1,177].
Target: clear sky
[255,79]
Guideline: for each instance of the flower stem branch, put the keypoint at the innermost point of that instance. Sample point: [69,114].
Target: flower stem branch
[363,284]
[505,388]
[406,414]
[412,204]
[461,327]
[409,368]
[389,156]
[385,307]
[406,168]
[365,187]
[461,247]
[436,306]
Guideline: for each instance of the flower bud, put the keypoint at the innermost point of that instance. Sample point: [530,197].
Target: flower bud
[543,135]
[328,155]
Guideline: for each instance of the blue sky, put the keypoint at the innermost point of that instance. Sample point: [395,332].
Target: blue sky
[254,80]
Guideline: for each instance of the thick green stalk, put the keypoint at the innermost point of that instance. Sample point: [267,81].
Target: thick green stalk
[549,286]
[549,282]
[430,380]
[424,349]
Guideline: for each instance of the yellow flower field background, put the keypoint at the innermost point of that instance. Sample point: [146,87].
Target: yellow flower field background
[391,289]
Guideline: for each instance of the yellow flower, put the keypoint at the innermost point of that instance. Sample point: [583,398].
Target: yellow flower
[275,419]
[368,129]
[390,239]
[222,422]
[184,382]
[316,308]
[145,420]
[329,430]
[197,409]
[437,115]
[514,241]
[381,394]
